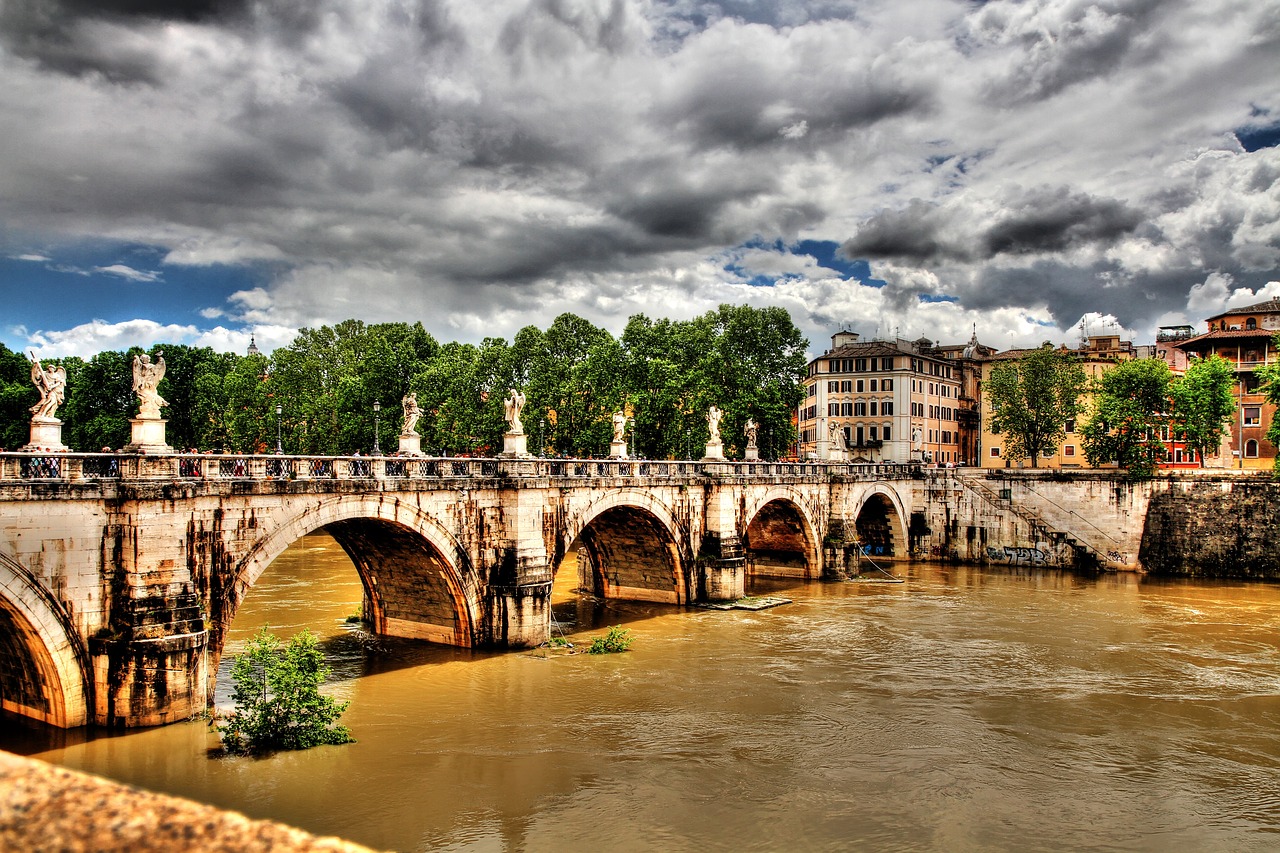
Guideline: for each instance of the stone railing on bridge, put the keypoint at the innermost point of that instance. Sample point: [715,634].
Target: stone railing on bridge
[96,467]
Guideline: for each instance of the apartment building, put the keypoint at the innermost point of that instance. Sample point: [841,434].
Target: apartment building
[881,401]
[1246,337]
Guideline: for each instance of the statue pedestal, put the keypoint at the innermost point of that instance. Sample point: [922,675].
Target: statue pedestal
[515,446]
[46,434]
[617,450]
[715,452]
[752,453]
[411,444]
[148,437]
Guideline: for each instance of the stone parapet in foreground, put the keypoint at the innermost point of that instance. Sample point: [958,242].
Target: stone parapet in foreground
[43,807]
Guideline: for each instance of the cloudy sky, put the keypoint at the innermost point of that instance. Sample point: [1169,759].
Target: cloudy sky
[197,171]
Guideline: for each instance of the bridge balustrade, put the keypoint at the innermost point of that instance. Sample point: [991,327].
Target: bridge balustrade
[73,467]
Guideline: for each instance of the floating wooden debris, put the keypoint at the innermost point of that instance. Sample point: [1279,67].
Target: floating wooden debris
[750,602]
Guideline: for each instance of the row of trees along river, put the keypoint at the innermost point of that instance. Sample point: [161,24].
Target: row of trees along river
[666,374]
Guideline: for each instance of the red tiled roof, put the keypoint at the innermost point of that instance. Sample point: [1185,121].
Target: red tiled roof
[1229,334]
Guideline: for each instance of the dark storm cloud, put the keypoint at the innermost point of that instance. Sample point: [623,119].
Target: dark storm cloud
[1055,220]
[912,233]
[1042,220]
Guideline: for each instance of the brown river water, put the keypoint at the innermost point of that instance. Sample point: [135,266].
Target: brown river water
[965,709]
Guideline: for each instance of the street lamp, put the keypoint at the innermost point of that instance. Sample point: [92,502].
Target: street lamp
[377,407]
[633,438]
[542,446]
[279,446]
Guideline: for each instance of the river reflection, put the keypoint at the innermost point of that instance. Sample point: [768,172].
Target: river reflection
[966,709]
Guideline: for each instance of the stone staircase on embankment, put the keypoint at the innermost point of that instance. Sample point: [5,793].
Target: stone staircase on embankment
[1083,545]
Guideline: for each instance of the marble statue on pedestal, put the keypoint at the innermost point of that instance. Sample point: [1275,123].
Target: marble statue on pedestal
[146,377]
[52,384]
[411,414]
[713,424]
[619,427]
[750,428]
[512,407]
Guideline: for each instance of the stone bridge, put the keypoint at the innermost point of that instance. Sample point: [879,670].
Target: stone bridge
[120,574]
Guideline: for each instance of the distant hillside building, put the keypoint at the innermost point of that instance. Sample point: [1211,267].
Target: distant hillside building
[1246,337]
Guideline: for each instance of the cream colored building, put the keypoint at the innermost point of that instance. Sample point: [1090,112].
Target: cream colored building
[881,401]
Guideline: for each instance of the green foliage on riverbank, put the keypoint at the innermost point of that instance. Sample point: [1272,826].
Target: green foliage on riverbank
[750,362]
[278,701]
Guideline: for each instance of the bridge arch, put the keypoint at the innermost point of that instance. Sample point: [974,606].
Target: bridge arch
[779,537]
[880,519]
[44,670]
[418,579]
[633,545]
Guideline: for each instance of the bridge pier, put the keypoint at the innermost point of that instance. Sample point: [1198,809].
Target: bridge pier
[721,557]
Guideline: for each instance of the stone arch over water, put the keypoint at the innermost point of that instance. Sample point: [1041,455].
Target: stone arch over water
[880,522]
[779,538]
[631,549]
[418,580]
[44,670]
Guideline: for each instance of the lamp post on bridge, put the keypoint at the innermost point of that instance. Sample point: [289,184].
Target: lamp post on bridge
[377,407]
[542,446]
[279,446]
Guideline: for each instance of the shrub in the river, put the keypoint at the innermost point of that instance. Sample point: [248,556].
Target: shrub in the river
[616,639]
[278,699]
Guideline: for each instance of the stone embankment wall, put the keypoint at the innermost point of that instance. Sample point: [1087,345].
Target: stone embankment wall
[1182,523]
[1214,528]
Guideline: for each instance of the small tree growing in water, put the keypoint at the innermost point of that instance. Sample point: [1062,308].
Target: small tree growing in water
[278,699]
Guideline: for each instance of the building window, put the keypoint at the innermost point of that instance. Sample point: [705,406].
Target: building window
[875,385]
[833,408]
[1251,448]
[874,406]
[995,453]
[846,409]
[873,433]
[886,384]
[859,365]
[873,366]
[1252,416]
[1069,450]
[846,386]
[886,363]
[833,386]
[859,386]
[813,389]
[886,407]
[1251,324]
[885,433]
[1070,425]
[859,409]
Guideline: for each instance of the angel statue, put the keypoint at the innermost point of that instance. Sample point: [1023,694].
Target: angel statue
[51,381]
[750,428]
[512,407]
[619,427]
[411,413]
[713,424]
[146,376]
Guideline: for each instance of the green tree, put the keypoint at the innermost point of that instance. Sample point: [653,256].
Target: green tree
[1032,399]
[1202,403]
[100,401]
[1130,414]
[1268,376]
[278,699]
[17,395]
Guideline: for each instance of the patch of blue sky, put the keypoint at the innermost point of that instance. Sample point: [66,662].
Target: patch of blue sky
[937,297]
[60,288]
[1259,136]
[826,253]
